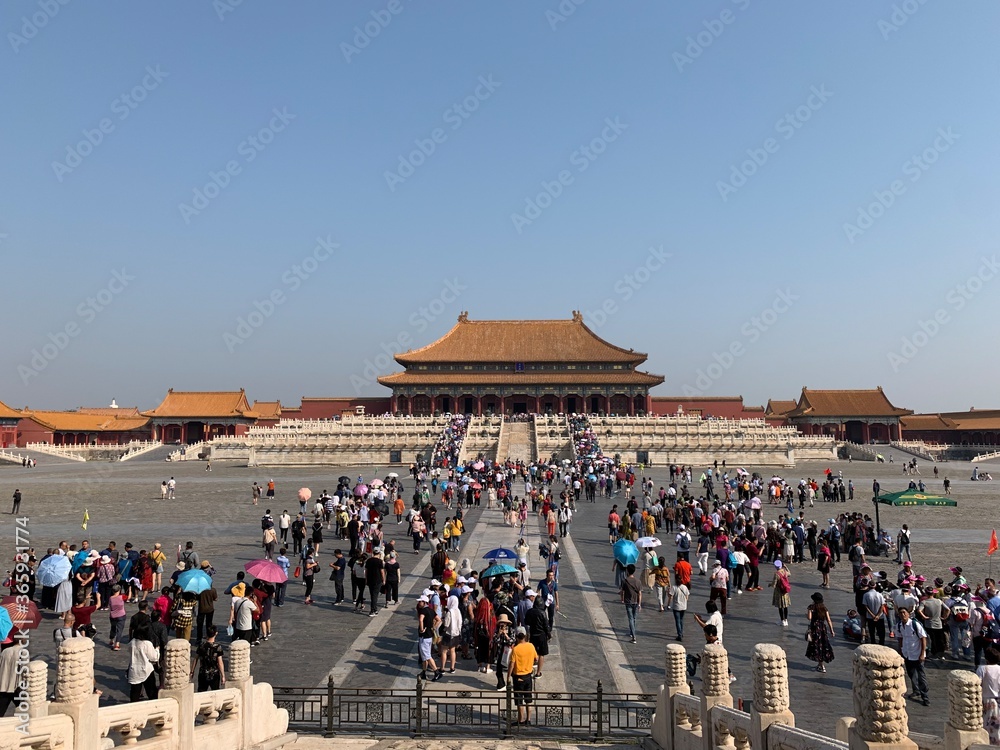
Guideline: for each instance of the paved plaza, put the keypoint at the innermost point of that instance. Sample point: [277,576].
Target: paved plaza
[214,511]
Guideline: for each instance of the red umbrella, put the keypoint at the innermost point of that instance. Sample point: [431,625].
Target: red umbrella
[266,570]
[25,615]
[620,475]
[477,486]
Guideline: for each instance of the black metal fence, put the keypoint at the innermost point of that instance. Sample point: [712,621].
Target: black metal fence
[428,711]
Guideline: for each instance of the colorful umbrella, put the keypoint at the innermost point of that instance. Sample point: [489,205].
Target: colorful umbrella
[478,466]
[477,486]
[304,494]
[753,503]
[266,570]
[500,553]
[626,552]
[361,490]
[376,483]
[194,581]
[497,570]
[460,469]
[913,497]
[648,541]
[25,615]
[53,570]
[6,625]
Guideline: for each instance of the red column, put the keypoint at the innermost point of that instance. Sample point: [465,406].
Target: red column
[479,406]
[631,406]
[865,433]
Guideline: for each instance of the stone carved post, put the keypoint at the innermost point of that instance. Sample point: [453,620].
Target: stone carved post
[239,678]
[177,685]
[770,691]
[75,692]
[38,680]
[964,727]
[715,688]
[879,704]
[675,684]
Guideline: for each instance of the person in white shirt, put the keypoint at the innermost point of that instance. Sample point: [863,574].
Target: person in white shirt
[989,675]
[913,646]
[678,602]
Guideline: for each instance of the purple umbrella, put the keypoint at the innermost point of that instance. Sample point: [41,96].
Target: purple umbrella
[361,490]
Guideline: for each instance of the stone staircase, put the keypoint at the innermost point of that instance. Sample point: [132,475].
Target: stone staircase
[516,442]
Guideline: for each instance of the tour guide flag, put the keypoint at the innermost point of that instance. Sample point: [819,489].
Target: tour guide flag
[86,518]
[993,543]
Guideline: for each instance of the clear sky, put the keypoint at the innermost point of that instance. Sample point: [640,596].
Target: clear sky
[270,195]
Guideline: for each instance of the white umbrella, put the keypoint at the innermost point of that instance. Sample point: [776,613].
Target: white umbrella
[648,541]
[393,475]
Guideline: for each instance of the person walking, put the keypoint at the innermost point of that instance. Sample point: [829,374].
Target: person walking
[820,631]
[375,580]
[719,582]
[989,675]
[824,561]
[143,658]
[17,503]
[212,671]
[781,598]
[522,665]
[661,583]
[427,624]
[631,596]
[309,567]
[678,603]
[913,645]
[339,566]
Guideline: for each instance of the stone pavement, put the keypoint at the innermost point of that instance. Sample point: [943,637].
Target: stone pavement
[214,510]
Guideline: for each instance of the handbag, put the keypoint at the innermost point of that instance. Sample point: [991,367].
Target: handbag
[297,572]
[229,630]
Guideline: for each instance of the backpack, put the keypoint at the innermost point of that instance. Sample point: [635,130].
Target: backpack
[563,518]
[991,629]
[186,559]
[784,585]
[685,542]
[960,612]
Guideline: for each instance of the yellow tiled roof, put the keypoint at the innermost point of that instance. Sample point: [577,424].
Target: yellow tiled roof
[267,409]
[845,403]
[7,413]
[203,404]
[75,421]
[623,377]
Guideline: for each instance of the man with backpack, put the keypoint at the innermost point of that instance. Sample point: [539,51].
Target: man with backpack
[683,540]
[903,544]
[565,516]
[189,557]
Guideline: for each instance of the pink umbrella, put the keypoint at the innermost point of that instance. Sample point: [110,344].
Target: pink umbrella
[266,570]
[304,494]
[477,486]
[376,483]
[478,466]
[361,490]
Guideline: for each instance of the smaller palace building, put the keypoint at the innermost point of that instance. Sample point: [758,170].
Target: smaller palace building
[8,425]
[192,416]
[859,416]
[521,366]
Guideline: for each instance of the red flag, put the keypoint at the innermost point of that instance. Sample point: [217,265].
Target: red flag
[993,543]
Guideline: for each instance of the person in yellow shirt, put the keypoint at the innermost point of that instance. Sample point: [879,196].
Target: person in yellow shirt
[457,527]
[522,665]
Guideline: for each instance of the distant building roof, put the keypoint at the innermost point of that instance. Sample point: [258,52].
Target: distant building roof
[267,409]
[846,403]
[77,421]
[697,399]
[779,408]
[584,377]
[7,413]
[520,341]
[974,419]
[203,404]
[119,411]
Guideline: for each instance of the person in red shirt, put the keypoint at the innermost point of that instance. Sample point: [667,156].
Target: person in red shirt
[614,521]
[682,571]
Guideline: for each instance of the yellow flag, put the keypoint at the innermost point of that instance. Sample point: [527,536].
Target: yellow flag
[86,518]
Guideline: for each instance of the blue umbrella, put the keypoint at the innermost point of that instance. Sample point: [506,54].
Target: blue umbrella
[460,469]
[500,553]
[194,581]
[6,624]
[497,570]
[626,552]
[53,570]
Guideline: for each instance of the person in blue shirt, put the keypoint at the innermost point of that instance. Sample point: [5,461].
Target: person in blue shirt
[279,589]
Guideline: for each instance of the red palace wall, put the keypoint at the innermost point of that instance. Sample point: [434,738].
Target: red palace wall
[328,408]
[29,431]
[728,407]
[8,436]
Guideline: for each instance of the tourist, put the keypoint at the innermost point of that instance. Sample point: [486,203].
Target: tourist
[374,569]
[913,645]
[116,606]
[989,675]
[484,628]
[824,561]
[339,566]
[873,611]
[163,490]
[781,598]
[317,536]
[451,633]
[539,630]
[713,619]
[661,583]
[183,615]
[212,672]
[189,557]
[427,625]
[704,546]
[284,563]
[500,649]
[157,558]
[171,488]
[143,659]
[284,524]
[241,611]
[392,573]
[522,666]
[903,543]
[16,508]
[631,597]
[719,583]
[309,567]
[819,633]
[677,600]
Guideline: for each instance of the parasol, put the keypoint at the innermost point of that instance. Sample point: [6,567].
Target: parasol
[25,615]
[648,541]
[343,480]
[477,486]
[361,490]
[497,570]
[266,570]
[392,475]
[194,581]
[478,466]
[53,570]
[304,494]
[376,483]
[500,553]
[626,552]
[753,503]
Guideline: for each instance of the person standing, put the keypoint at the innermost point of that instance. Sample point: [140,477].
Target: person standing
[391,580]
[375,580]
[143,658]
[932,614]
[163,490]
[309,567]
[206,610]
[873,604]
[212,674]
[539,631]
[17,503]
[284,523]
[279,588]
[255,493]
[989,675]
[819,633]
[631,596]
[903,544]
[339,566]
[522,665]
[913,645]
[427,623]
[719,582]
[678,603]
[781,598]
[171,488]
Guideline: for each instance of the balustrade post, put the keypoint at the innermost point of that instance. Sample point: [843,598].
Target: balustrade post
[675,683]
[329,706]
[75,695]
[600,712]
[420,708]
[177,685]
[879,705]
[769,666]
[239,678]
[509,699]
[38,679]
[715,688]
[964,727]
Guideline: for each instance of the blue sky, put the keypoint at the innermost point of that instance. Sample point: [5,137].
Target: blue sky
[811,185]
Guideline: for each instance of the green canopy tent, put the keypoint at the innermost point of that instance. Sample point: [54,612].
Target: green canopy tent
[909,497]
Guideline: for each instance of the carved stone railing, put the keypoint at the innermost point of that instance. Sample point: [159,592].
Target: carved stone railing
[781,737]
[128,720]
[730,728]
[217,705]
